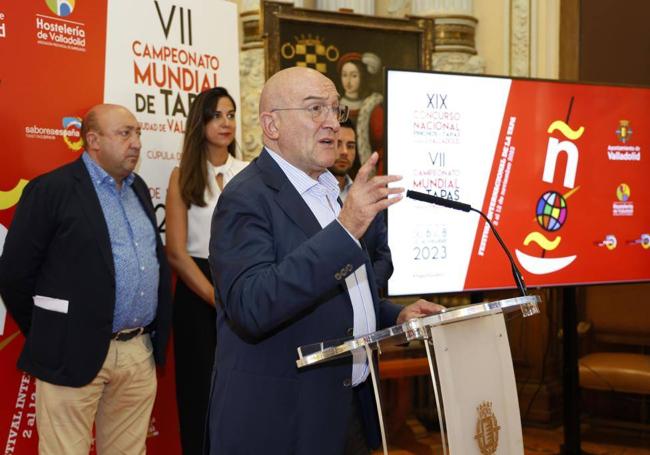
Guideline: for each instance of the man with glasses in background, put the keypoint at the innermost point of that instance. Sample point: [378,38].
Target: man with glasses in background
[290,268]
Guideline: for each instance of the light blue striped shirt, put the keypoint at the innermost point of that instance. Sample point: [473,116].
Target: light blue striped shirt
[321,197]
[133,244]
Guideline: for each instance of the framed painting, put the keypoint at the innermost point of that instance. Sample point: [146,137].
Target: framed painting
[352,50]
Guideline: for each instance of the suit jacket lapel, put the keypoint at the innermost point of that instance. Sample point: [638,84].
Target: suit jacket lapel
[296,209]
[93,210]
[287,197]
[372,281]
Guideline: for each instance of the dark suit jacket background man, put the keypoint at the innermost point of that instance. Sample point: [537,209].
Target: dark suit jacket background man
[84,275]
[289,271]
[344,169]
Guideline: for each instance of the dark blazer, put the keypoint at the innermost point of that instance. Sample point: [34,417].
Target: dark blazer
[281,281]
[58,246]
[377,246]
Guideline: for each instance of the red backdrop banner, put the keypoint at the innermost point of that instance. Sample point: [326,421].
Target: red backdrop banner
[59,58]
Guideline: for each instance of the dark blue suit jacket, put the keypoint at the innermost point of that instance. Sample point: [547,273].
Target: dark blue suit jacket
[58,246]
[281,281]
[376,243]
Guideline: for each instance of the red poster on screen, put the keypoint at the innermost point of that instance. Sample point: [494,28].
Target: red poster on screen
[558,168]
[574,206]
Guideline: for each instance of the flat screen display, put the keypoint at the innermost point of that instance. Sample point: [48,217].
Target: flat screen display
[561,169]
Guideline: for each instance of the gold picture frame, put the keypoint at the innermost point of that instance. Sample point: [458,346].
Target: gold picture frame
[346,31]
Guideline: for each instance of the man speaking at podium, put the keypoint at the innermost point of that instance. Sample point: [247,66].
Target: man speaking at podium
[291,269]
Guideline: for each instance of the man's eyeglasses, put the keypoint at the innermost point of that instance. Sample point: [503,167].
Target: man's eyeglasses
[319,112]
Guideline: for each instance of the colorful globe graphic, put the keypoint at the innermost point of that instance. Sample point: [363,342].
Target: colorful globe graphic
[623,192]
[61,8]
[551,211]
[645,241]
[610,242]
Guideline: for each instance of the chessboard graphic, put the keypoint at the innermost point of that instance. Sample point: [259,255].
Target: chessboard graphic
[310,52]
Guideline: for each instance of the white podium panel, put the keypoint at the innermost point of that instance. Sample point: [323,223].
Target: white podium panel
[477,383]
[471,372]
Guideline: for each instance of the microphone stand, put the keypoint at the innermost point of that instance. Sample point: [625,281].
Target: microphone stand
[519,279]
[515,271]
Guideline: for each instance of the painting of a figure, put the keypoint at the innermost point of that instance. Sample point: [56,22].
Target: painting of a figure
[352,51]
[360,91]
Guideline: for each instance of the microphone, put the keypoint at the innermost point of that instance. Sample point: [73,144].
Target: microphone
[519,279]
[438,201]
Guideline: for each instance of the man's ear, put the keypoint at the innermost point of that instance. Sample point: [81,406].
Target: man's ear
[92,138]
[269,125]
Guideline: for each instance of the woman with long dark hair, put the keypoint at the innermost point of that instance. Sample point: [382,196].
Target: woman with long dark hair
[207,164]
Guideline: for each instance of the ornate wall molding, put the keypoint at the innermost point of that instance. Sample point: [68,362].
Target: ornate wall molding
[251,72]
[393,8]
[455,45]
[458,62]
[520,32]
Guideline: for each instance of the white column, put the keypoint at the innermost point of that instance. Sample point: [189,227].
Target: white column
[442,7]
[249,5]
[366,7]
[545,39]
[520,38]
[455,30]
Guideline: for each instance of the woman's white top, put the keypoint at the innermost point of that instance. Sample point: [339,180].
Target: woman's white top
[199,218]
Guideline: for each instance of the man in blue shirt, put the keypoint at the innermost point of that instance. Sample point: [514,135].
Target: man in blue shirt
[84,275]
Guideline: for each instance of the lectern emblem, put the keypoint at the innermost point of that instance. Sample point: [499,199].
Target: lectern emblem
[487,429]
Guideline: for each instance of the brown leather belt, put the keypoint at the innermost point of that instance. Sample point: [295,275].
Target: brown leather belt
[127,334]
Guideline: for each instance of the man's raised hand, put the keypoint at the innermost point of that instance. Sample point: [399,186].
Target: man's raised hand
[367,197]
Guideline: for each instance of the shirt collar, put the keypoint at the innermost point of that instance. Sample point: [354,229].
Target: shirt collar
[223,168]
[98,175]
[303,182]
[348,182]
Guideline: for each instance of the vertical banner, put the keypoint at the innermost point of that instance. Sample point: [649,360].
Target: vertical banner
[159,55]
[52,70]
[59,58]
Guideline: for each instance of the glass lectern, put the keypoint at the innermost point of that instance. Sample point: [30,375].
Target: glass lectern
[471,372]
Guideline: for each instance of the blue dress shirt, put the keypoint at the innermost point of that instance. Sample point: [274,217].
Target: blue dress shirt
[133,244]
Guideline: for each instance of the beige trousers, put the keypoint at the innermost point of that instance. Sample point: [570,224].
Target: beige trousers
[119,401]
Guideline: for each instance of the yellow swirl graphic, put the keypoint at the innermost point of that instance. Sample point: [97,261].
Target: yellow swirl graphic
[569,193]
[11,197]
[566,130]
[4,343]
[74,146]
[542,241]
